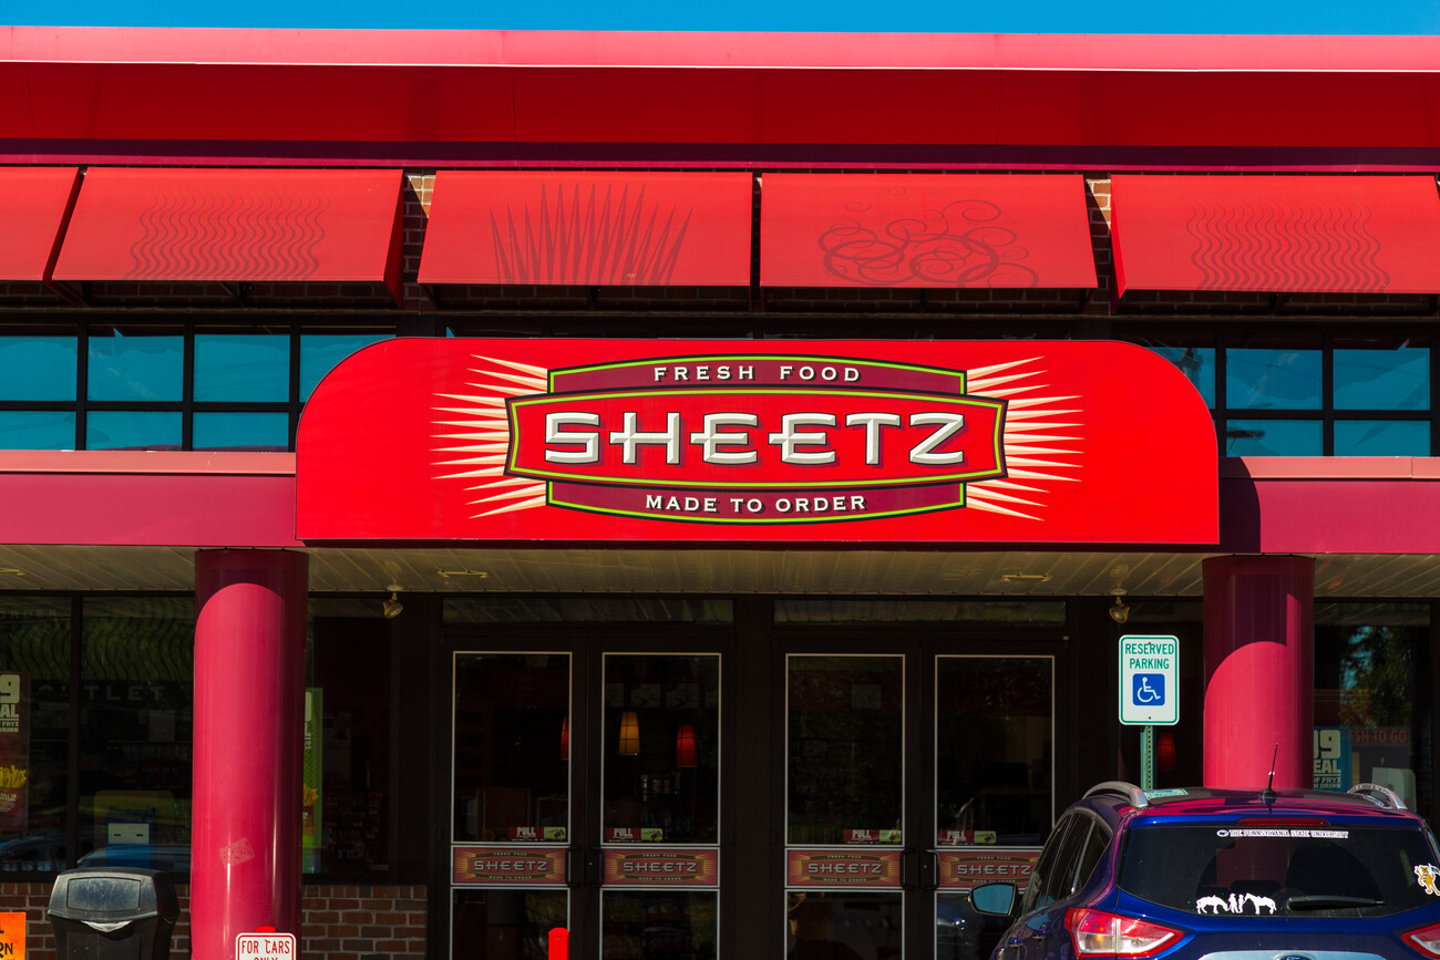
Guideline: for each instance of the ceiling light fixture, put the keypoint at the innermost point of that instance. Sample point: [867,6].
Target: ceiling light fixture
[1119,612]
[447,574]
[393,607]
[1025,577]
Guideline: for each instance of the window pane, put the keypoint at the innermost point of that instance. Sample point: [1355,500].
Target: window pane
[35,733]
[241,431]
[1273,438]
[511,924]
[1382,379]
[1382,438]
[132,430]
[319,353]
[242,368]
[135,366]
[1198,365]
[38,368]
[993,732]
[846,749]
[349,770]
[1267,379]
[512,747]
[1372,712]
[37,430]
[136,720]
[659,925]
[840,925]
[662,758]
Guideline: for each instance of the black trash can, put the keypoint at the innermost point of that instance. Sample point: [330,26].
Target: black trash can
[113,913]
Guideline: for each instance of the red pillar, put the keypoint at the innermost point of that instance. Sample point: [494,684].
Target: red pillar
[1259,670]
[249,712]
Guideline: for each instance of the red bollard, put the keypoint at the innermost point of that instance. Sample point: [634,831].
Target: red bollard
[559,944]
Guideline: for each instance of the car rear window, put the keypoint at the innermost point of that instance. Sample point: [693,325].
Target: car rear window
[1227,869]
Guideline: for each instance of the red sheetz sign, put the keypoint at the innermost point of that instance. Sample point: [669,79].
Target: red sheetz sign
[756,439]
[585,440]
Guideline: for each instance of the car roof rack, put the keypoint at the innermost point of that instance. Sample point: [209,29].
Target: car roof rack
[1120,788]
[1381,796]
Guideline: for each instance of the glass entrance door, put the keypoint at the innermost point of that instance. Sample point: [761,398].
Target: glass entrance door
[910,777]
[586,795]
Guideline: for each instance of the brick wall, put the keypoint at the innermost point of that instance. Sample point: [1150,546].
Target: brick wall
[339,921]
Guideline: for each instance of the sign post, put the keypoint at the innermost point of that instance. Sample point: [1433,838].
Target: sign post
[1149,692]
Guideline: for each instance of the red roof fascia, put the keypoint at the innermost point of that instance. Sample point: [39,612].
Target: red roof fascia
[461,87]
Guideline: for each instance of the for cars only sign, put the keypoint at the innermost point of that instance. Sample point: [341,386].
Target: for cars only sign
[265,946]
[1149,680]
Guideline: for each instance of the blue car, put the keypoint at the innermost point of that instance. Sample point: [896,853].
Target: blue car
[1227,875]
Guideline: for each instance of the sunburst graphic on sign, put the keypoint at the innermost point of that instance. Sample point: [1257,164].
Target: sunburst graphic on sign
[1040,436]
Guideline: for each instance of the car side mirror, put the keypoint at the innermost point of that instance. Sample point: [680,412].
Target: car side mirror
[993,899]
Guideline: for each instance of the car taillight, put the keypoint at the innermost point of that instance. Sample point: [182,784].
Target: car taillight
[1096,933]
[1426,940]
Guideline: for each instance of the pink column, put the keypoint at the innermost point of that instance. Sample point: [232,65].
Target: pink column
[1259,670]
[249,706]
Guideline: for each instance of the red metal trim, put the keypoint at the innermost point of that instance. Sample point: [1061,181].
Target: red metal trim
[730,50]
[216,463]
[481,87]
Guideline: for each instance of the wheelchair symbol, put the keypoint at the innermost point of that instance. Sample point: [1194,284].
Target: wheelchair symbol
[1148,689]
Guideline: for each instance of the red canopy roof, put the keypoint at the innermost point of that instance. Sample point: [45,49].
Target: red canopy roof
[897,230]
[618,229]
[235,225]
[1277,234]
[34,202]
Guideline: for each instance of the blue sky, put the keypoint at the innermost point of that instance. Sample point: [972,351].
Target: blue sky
[995,16]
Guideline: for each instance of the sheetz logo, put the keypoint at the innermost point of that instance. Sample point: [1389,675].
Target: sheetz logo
[756,439]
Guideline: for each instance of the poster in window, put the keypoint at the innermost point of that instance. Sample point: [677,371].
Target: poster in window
[14,750]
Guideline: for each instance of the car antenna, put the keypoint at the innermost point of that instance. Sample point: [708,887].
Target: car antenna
[1267,796]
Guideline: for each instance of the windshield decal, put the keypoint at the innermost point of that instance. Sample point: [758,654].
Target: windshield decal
[1234,903]
[1268,832]
[1426,874]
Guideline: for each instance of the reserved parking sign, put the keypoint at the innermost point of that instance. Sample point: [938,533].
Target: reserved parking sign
[265,946]
[1149,680]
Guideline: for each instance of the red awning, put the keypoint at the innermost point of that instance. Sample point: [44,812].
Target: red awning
[186,225]
[34,202]
[1378,234]
[595,229]
[913,230]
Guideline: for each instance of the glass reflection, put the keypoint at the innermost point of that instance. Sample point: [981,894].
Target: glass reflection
[241,431]
[1274,438]
[1382,379]
[37,430]
[242,367]
[133,430]
[126,365]
[655,925]
[843,926]
[1198,365]
[505,924]
[512,756]
[1263,378]
[846,749]
[1382,438]
[661,741]
[38,368]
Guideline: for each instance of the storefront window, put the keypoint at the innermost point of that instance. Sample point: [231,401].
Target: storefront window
[133,430]
[346,802]
[136,729]
[1382,438]
[35,639]
[512,747]
[1372,704]
[241,431]
[662,748]
[1198,365]
[37,430]
[1274,438]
